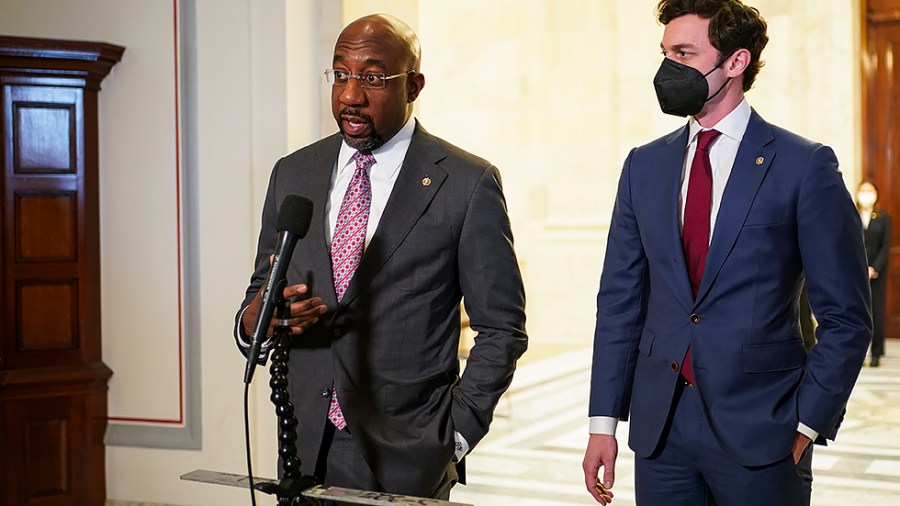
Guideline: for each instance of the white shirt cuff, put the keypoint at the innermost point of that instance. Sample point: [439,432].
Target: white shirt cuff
[806,431]
[603,425]
[242,340]
[607,425]
[462,446]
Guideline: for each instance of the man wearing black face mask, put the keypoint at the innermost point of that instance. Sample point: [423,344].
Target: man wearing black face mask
[697,339]
[681,89]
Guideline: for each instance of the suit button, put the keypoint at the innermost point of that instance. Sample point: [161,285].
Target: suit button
[326,392]
[674,366]
[695,318]
[337,331]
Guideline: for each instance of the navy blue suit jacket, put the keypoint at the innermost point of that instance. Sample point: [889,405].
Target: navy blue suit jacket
[785,210]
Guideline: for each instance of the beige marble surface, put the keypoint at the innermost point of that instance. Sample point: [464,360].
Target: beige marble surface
[532,456]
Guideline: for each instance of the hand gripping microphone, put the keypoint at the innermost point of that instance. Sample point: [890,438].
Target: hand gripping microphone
[293,223]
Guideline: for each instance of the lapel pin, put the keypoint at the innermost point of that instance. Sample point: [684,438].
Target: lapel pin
[426,181]
[760,160]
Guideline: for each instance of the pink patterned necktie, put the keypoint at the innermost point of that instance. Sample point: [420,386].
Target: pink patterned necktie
[695,230]
[347,245]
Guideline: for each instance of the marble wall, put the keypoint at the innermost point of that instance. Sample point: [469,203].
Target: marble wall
[555,93]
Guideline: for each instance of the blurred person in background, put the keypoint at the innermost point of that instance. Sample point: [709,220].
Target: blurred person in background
[877,226]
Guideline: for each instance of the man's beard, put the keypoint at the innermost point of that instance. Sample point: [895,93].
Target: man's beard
[373,141]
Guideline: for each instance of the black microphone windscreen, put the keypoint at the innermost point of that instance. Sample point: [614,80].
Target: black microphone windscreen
[295,215]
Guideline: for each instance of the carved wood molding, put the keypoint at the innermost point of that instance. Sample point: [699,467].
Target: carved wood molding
[883,17]
[881,11]
[68,62]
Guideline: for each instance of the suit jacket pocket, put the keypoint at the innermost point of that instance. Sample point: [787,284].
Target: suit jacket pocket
[773,357]
[408,398]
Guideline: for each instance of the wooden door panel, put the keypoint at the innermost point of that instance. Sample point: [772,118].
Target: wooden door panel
[881,137]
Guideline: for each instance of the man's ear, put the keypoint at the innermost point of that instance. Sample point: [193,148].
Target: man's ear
[737,63]
[414,85]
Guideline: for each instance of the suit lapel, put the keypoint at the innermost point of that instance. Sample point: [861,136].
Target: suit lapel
[419,180]
[320,173]
[750,166]
[670,177]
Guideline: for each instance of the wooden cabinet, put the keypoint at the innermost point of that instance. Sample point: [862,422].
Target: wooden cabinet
[53,383]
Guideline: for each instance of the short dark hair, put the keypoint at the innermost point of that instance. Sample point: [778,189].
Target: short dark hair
[732,26]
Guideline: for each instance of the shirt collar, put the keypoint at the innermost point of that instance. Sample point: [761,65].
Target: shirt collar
[733,125]
[389,156]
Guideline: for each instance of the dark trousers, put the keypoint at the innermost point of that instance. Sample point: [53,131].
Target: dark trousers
[692,469]
[341,464]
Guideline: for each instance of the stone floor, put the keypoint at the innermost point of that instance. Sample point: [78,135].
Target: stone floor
[532,456]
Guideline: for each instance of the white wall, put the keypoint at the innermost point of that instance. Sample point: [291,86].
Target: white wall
[240,127]
[138,180]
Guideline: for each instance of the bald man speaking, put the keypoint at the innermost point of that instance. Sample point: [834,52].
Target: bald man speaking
[404,226]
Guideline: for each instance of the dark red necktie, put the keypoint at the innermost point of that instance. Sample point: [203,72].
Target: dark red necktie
[695,231]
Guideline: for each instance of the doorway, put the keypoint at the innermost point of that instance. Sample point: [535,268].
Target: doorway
[881,135]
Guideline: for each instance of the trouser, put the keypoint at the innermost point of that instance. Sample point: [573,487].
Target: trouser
[341,464]
[691,469]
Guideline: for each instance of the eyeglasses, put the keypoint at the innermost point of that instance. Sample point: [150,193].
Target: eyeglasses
[368,80]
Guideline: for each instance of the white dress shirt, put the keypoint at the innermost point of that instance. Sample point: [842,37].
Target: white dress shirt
[722,154]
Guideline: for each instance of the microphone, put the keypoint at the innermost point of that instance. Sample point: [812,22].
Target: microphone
[293,223]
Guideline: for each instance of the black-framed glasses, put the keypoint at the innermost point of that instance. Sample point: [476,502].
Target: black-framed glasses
[376,80]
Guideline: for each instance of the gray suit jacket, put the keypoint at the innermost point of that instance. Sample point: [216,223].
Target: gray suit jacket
[390,346]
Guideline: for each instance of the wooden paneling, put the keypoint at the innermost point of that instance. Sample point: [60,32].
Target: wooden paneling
[46,454]
[46,227]
[49,450]
[45,326]
[881,130]
[53,382]
[43,137]
[46,130]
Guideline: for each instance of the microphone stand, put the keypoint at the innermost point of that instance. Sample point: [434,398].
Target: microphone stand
[293,483]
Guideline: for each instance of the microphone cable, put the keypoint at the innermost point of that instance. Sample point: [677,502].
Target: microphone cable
[247,442]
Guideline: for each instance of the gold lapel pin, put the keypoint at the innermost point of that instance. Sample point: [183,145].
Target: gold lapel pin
[760,160]
[426,181]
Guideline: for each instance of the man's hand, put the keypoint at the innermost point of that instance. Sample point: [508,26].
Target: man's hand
[601,451]
[800,444]
[304,313]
